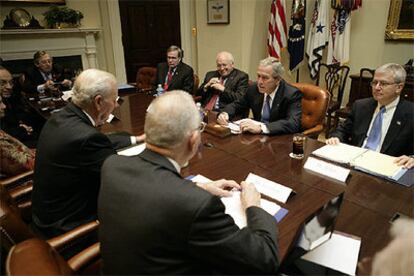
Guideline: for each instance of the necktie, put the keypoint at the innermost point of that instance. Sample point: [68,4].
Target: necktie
[169,78]
[374,136]
[212,102]
[266,110]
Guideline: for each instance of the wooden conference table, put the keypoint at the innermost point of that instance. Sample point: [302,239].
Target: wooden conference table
[369,202]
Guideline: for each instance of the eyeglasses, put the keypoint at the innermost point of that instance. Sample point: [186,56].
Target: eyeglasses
[3,83]
[202,127]
[381,84]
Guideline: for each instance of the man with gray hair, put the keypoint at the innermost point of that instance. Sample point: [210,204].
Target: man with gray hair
[70,154]
[223,86]
[276,105]
[383,123]
[152,221]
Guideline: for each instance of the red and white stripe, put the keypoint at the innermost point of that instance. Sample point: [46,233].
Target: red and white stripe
[277,35]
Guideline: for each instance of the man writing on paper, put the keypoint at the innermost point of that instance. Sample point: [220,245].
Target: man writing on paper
[383,123]
[70,153]
[155,222]
[276,105]
[223,86]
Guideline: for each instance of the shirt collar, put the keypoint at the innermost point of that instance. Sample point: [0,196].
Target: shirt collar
[89,117]
[175,164]
[273,94]
[392,104]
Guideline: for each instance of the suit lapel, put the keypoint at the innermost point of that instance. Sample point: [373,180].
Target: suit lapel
[366,120]
[397,122]
[274,111]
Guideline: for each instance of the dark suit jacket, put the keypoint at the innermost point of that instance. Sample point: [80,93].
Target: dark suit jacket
[34,78]
[399,139]
[69,157]
[154,222]
[183,78]
[235,86]
[286,112]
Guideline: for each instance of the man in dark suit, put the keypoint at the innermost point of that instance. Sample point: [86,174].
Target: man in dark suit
[175,74]
[45,75]
[276,105]
[70,154]
[384,123]
[16,121]
[152,221]
[223,86]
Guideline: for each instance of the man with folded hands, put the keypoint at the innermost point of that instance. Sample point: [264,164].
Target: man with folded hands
[383,123]
[276,105]
[152,221]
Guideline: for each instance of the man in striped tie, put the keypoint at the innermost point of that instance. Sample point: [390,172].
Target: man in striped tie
[385,122]
[224,85]
[276,105]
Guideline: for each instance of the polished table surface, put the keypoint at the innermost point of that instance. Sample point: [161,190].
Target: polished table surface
[369,202]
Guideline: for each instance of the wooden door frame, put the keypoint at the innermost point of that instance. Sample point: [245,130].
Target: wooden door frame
[187,22]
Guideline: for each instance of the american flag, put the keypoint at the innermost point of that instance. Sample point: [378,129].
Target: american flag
[276,39]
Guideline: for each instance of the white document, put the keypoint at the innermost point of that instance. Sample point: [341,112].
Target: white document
[341,153]
[234,128]
[327,169]
[67,95]
[125,86]
[339,253]
[269,188]
[131,151]
[234,206]
[235,209]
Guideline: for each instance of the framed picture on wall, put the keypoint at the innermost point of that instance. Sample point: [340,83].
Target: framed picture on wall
[60,2]
[218,12]
[400,23]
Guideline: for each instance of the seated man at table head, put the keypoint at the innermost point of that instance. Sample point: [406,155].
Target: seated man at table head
[276,105]
[15,157]
[70,154]
[383,123]
[17,120]
[223,86]
[44,75]
[152,221]
[175,74]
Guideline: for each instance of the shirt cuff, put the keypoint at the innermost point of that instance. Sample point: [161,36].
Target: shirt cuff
[133,140]
[41,88]
[265,129]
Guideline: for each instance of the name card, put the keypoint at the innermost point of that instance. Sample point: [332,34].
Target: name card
[327,169]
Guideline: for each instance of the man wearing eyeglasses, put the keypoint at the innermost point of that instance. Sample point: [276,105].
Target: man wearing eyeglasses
[16,121]
[45,75]
[175,74]
[70,153]
[383,123]
[152,221]
[223,86]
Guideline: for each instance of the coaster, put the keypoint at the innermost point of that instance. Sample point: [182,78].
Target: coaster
[291,155]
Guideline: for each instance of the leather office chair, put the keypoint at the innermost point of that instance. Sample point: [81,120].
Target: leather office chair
[145,79]
[14,230]
[344,112]
[333,78]
[19,187]
[315,101]
[37,257]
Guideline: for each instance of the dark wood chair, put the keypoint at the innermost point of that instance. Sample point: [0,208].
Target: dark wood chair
[145,79]
[333,78]
[37,257]
[364,74]
[315,101]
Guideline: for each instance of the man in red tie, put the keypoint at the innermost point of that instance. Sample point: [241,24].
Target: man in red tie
[175,74]
[223,86]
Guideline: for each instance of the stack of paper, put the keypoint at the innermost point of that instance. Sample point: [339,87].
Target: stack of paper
[341,153]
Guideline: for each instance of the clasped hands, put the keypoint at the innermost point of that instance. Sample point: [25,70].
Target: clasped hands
[223,188]
[246,125]
[50,84]
[403,161]
[215,84]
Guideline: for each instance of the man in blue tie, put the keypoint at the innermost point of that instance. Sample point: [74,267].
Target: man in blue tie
[383,123]
[276,105]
